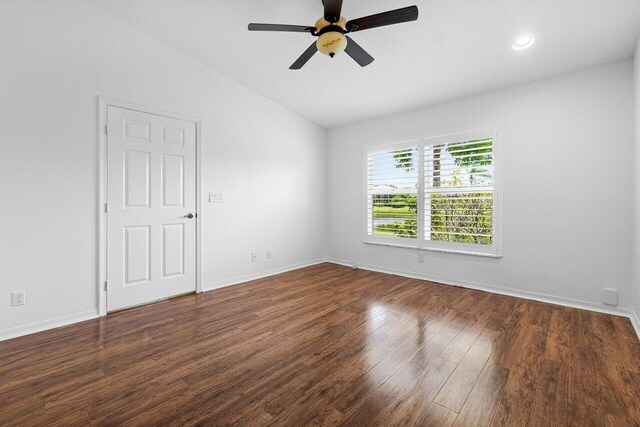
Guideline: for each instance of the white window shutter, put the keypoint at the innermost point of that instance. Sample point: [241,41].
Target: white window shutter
[392,191]
[458,193]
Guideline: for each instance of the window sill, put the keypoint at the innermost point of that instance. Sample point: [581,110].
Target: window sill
[449,251]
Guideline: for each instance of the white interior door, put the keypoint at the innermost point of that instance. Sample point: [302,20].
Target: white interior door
[151,195]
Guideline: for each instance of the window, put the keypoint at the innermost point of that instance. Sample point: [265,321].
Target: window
[435,193]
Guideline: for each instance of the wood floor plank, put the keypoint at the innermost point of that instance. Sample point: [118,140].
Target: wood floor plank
[526,368]
[415,405]
[482,404]
[627,344]
[560,338]
[328,345]
[455,391]
[513,410]
[552,396]
[383,401]
[437,416]
[362,388]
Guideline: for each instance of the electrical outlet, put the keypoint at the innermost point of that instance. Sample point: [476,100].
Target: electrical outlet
[420,257]
[268,254]
[18,298]
[215,197]
[254,257]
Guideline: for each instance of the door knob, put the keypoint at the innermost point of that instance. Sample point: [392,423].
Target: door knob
[189,215]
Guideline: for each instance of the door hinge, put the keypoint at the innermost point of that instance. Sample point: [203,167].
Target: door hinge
[106,207]
[106,285]
[106,129]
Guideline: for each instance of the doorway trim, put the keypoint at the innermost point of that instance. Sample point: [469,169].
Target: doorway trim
[101,258]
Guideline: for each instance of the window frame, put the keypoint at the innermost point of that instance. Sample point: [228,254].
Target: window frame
[420,243]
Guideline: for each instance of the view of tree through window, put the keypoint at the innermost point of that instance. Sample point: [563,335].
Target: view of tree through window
[458,192]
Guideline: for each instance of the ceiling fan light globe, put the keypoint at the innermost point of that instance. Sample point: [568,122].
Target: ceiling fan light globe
[321,23]
[331,43]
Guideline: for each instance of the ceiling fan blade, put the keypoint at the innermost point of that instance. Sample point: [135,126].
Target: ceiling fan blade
[305,57]
[357,53]
[397,16]
[332,10]
[280,27]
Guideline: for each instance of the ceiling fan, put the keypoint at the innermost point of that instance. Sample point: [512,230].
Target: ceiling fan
[332,30]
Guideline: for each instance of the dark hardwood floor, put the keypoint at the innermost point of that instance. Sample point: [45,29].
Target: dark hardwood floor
[329,345]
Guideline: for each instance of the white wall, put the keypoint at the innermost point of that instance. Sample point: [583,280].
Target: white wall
[57,57]
[566,190]
[636,193]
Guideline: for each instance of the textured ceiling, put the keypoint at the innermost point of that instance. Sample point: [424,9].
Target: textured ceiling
[456,48]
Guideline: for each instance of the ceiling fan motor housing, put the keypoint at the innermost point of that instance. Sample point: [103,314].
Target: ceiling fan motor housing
[330,42]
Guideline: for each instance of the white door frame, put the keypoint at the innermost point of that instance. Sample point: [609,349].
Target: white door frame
[103,104]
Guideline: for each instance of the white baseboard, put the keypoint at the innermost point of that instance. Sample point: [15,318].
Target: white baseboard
[249,277]
[550,299]
[634,321]
[44,325]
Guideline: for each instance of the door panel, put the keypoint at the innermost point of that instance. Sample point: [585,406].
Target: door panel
[173,136]
[151,243]
[172,181]
[136,179]
[137,253]
[172,250]
[134,129]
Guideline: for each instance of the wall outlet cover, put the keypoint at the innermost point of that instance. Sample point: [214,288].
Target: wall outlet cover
[215,197]
[610,296]
[18,298]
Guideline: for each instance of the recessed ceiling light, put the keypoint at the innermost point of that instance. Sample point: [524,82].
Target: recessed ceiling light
[523,42]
